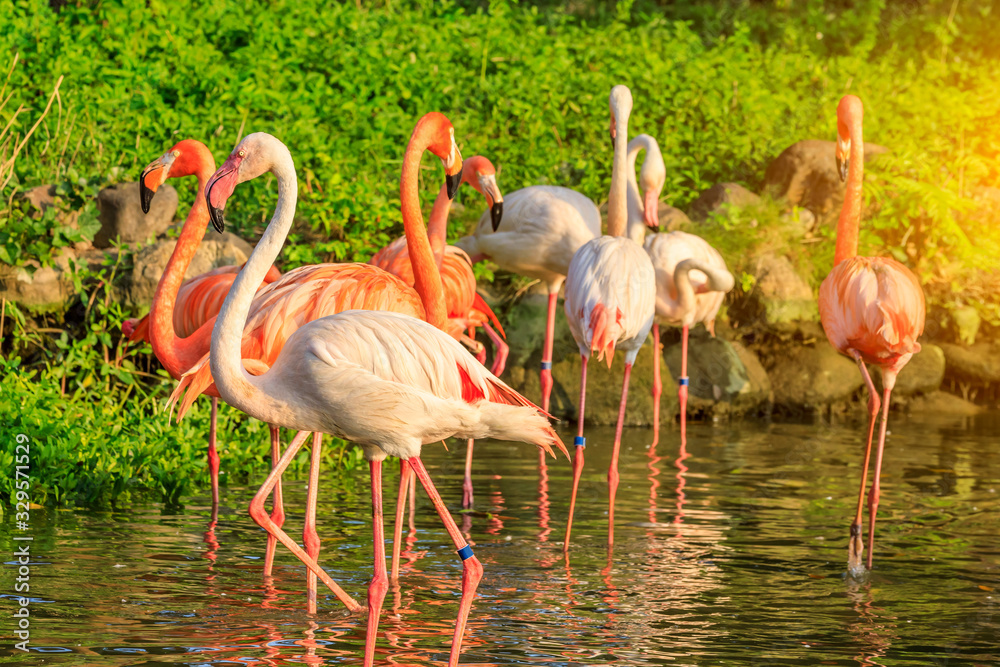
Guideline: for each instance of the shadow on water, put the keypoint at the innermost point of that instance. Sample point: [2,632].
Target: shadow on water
[730,549]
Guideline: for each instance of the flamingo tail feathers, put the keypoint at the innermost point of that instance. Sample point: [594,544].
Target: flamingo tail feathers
[604,332]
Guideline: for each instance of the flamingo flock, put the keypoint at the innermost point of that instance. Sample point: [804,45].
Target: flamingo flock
[384,354]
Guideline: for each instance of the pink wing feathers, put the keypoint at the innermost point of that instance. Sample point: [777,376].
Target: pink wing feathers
[873,305]
[412,353]
[465,307]
[301,296]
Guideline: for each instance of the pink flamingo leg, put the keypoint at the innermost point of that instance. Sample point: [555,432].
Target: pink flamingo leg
[397,529]
[580,443]
[380,580]
[310,536]
[889,380]
[467,482]
[472,569]
[613,468]
[682,385]
[657,384]
[501,350]
[277,509]
[550,333]
[260,516]
[213,459]
[856,547]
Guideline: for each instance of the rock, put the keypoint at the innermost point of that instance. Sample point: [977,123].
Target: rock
[780,300]
[718,197]
[671,219]
[42,291]
[806,175]
[801,218]
[122,218]
[50,288]
[939,403]
[966,323]
[214,251]
[813,377]
[525,328]
[721,374]
[41,197]
[922,375]
[603,388]
[977,364]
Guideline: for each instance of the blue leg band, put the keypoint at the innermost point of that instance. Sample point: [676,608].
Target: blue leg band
[465,552]
[683,382]
[546,365]
[580,441]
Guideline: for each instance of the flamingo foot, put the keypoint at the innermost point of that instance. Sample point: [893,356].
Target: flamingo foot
[856,551]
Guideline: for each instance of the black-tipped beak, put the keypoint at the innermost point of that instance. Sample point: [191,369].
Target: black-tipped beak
[145,193]
[496,214]
[452,181]
[842,165]
[217,219]
[214,213]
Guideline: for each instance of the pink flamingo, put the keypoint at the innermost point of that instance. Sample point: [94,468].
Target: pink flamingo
[610,301]
[465,306]
[389,382]
[311,292]
[543,227]
[180,319]
[872,309]
[691,276]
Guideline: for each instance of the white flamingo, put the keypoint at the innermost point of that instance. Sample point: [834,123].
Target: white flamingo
[388,382]
[610,300]
[542,228]
[691,277]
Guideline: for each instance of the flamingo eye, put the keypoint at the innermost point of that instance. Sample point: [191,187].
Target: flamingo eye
[242,153]
[176,153]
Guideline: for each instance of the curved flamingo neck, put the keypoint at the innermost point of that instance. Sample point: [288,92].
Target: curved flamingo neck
[850,214]
[636,227]
[178,354]
[617,196]
[426,277]
[686,302]
[235,385]
[437,225]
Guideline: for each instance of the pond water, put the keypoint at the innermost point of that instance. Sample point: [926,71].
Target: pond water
[730,551]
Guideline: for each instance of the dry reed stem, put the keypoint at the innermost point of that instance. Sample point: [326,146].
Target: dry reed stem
[7,167]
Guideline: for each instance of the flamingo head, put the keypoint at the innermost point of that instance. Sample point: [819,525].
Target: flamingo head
[441,135]
[480,173]
[652,177]
[620,102]
[849,114]
[128,327]
[187,157]
[257,154]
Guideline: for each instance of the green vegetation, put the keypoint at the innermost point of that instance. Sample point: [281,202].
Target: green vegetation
[95,413]
[724,86]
